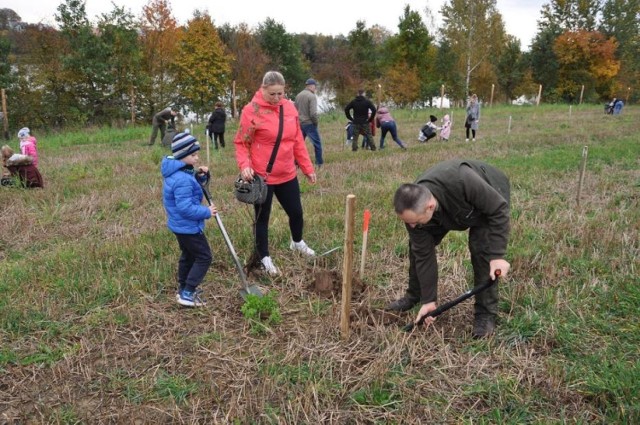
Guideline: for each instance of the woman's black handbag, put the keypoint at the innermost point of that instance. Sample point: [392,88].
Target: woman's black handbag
[255,191]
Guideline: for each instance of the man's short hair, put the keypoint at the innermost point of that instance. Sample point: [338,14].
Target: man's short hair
[360,92]
[411,196]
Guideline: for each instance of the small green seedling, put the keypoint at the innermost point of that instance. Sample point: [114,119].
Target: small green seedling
[261,312]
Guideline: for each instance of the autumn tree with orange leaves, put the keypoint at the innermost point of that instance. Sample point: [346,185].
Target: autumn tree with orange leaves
[586,58]
[203,68]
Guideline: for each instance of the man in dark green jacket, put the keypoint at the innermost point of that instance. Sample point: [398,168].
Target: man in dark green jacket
[455,195]
[160,121]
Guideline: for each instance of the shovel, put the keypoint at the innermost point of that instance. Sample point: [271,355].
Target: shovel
[247,289]
[444,307]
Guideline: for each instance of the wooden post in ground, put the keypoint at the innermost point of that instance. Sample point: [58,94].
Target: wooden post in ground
[234,105]
[583,167]
[581,94]
[539,95]
[441,96]
[5,117]
[132,95]
[379,95]
[570,110]
[347,267]
[626,101]
[509,129]
[206,140]
[493,86]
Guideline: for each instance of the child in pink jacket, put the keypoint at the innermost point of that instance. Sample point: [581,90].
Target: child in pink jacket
[28,144]
[445,132]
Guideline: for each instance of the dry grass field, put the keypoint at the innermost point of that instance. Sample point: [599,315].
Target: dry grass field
[90,331]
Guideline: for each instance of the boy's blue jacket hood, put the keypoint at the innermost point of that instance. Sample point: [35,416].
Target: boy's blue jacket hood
[182,198]
[170,166]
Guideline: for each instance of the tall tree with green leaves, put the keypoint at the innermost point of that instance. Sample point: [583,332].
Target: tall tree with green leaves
[412,47]
[86,61]
[511,68]
[364,54]
[475,31]
[571,15]
[160,37]
[621,19]
[283,51]
[203,69]
[445,67]
[119,35]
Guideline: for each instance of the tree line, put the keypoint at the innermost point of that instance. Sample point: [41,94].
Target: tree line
[121,68]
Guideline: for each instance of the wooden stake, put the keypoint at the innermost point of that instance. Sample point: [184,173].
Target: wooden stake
[509,130]
[583,167]
[570,110]
[206,138]
[493,86]
[626,102]
[539,95]
[5,117]
[581,94]
[441,96]
[365,236]
[379,94]
[347,267]
[132,95]
[234,108]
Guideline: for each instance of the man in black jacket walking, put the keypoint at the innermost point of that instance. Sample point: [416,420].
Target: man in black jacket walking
[455,195]
[363,114]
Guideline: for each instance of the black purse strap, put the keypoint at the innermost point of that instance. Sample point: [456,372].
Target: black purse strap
[275,148]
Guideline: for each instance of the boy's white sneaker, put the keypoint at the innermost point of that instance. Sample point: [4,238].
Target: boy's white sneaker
[269,267]
[302,248]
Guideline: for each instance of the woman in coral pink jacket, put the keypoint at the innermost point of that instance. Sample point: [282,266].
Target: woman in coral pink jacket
[254,142]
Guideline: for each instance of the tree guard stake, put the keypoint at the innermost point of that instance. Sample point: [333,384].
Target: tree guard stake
[347,266]
[365,237]
[583,167]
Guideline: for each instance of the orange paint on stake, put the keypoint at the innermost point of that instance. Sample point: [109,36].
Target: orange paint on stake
[365,234]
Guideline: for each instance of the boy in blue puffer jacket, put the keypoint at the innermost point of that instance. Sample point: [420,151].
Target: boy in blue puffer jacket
[182,200]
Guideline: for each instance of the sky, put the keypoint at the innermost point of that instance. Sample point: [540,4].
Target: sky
[329,17]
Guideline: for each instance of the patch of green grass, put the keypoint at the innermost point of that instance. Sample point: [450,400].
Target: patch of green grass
[176,387]
[379,394]
[65,415]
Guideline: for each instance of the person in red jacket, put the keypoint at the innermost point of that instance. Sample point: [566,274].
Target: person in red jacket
[254,142]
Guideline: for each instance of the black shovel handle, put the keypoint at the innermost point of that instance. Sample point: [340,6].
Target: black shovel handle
[446,306]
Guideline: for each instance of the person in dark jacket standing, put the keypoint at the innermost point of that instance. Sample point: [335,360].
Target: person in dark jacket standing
[361,119]
[216,125]
[455,195]
[160,123]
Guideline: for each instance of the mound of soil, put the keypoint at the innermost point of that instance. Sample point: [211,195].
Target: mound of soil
[328,284]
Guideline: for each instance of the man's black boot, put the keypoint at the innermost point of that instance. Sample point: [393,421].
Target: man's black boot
[403,304]
[484,325]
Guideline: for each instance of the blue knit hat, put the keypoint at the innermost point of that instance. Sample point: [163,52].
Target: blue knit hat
[183,145]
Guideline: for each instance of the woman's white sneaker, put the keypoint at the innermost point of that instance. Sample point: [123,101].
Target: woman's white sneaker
[302,248]
[269,267]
